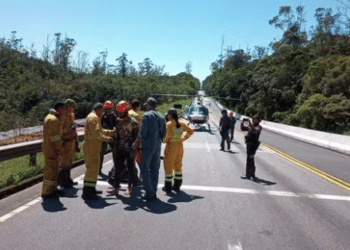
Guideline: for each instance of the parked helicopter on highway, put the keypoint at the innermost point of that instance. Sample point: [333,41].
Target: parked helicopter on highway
[198,112]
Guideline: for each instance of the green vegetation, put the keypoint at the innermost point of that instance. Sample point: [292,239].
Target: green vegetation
[18,169]
[30,85]
[303,80]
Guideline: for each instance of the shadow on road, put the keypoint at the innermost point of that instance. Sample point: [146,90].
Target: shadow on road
[71,192]
[231,152]
[182,196]
[100,203]
[203,129]
[263,182]
[53,205]
[102,177]
[134,202]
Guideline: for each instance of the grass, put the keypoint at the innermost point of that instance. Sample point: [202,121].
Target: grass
[16,170]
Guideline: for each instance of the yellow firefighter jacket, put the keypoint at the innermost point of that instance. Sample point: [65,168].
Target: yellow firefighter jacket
[52,140]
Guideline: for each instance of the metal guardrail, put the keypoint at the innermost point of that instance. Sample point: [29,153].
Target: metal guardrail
[26,148]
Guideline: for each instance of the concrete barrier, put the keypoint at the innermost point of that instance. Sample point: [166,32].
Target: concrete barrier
[335,142]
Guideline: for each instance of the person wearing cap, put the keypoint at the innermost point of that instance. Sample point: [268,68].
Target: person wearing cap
[233,122]
[108,121]
[70,143]
[126,134]
[224,127]
[252,142]
[52,151]
[176,133]
[150,136]
[94,136]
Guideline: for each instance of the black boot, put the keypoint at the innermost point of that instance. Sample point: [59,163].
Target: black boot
[61,178]
[97,191]
[69,178]
[89,194]
[177,185]
[167,187]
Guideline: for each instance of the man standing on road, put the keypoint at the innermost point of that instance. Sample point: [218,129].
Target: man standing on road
[224,126]
[252,141]
[94,136]
[108,121]
[233,122]
[151,135]
[69,136]
[52,151]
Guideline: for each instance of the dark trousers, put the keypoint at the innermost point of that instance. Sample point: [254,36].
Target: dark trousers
[225,137]
[103,151]
[251,150]
[232,131]
[116,173]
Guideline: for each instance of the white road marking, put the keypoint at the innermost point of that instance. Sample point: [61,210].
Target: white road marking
[251,191]
[18,210]
[3,218]
[208,147]
[235,247]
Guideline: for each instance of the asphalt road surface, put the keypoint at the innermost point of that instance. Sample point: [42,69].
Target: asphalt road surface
[287,207]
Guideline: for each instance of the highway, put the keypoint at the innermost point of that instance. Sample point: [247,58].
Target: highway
[287,207]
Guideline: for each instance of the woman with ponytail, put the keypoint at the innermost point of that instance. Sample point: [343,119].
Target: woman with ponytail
[176,133]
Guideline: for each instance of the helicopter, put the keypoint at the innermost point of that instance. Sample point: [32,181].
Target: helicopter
[197,113]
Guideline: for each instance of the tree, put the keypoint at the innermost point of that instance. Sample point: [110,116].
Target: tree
[146,66]
[260,52]
[189,67]
[122,66]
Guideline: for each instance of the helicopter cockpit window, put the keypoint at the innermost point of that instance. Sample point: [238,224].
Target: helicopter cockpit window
[203,110]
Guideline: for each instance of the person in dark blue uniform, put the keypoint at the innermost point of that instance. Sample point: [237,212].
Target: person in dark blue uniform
[252,142]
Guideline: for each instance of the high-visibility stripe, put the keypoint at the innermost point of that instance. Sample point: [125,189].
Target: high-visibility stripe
[178,173]
[51,183]
[90,179]
[169,177]
[88,184]
[178,176]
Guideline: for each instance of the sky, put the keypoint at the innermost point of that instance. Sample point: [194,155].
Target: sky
[169,32]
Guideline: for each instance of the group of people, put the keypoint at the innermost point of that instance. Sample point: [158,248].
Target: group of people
[133,138]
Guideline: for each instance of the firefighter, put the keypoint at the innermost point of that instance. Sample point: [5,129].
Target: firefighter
[94,136]
[70,141]
[52,151]
[176,133]
[134,112]
[108,121]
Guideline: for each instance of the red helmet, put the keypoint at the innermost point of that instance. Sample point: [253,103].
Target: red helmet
[122,106]
[108,105]
[231,113]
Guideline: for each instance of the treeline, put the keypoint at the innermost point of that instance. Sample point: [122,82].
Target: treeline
[31,84]
[302,79]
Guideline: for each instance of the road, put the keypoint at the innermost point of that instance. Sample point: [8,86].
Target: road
[287,207]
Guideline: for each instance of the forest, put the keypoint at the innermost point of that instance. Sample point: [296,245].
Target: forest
[31,81]
[301,79]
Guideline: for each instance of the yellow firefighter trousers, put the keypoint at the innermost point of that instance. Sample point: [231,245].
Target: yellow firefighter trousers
[50,176]
[91,151]
[173,155]
[68,153]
